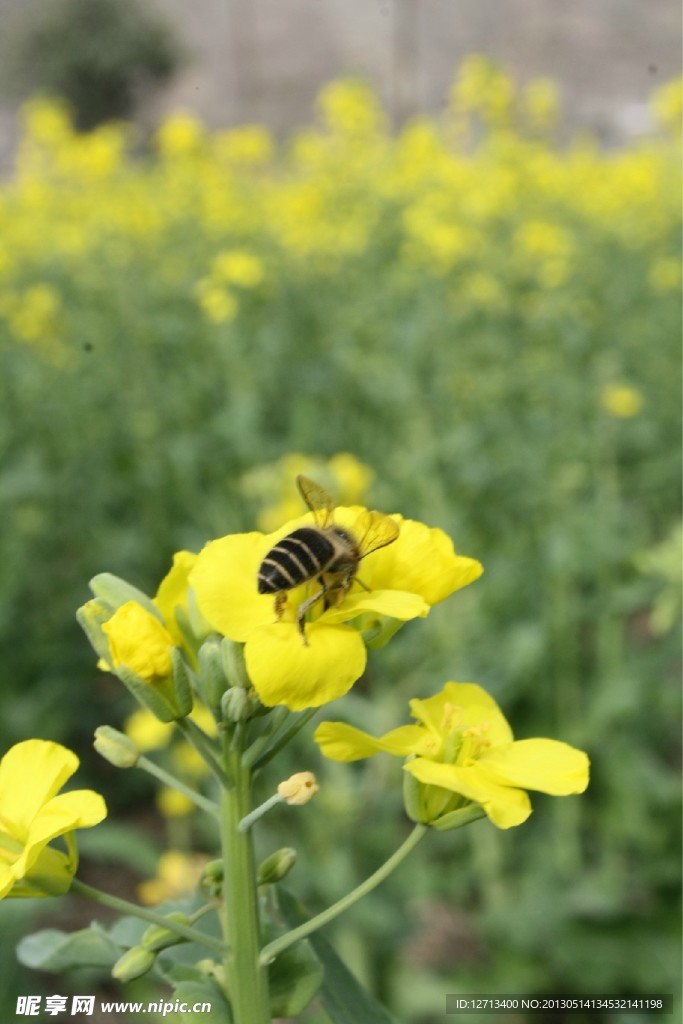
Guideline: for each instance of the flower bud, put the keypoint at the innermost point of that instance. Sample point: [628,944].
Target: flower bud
[133,964]
[237,705]
[298,788]
[142,655]
[139,642]
[115,747]
[234,664]
[412,798]
[276,867]
[212,681]
[91,617]
[157,937]
[115,592]
[211,880]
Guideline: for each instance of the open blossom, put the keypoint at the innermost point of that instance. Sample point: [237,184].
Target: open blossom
[462,752]
[33,812]
[395,583]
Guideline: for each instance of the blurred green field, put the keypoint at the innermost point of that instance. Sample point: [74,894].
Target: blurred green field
[490,321]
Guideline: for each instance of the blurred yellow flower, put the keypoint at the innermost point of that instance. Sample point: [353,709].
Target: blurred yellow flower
[350,107]
[173,804]
[667,104]
[248,145]
[177,875]
[146,731]
[342,474]
[180,134]
[541,102]
[621,400]
[666,275]
[235,266]
[218,305]
[34,317]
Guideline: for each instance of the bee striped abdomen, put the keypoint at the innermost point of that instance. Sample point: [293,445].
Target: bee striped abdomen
[296,558]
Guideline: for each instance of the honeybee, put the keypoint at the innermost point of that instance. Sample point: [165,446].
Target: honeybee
[325,552]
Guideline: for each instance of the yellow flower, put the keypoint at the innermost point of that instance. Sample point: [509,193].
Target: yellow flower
[139,642]
[398,582]
[33,813]
[621,400]
[463,754]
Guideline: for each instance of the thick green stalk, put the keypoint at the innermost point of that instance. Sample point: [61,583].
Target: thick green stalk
[247,978]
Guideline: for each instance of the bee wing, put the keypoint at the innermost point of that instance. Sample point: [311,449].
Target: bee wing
[317,499]
[375,531]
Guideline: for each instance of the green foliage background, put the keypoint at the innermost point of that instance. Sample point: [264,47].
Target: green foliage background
[488,321]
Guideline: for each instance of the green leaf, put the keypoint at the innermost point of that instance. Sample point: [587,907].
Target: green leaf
[294,977]
[343,997]
[205,991]
[54,950]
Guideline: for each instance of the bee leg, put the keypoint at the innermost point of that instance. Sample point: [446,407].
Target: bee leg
[280,602]
[303,608]
[360,583]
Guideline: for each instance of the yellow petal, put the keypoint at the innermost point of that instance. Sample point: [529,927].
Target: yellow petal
[31,773]
[224,579]
[505,806]
[139,642]
[341,742]
[81,808]
[172,591]
[395,603]
[545,765]
[422,561]
[284,670]
[463,705]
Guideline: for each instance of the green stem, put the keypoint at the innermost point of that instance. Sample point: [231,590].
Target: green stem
[105,899]
[289,734]
[274,948]
[202,744]
[247,977]
[275,721]
[259,811]
[170,780]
